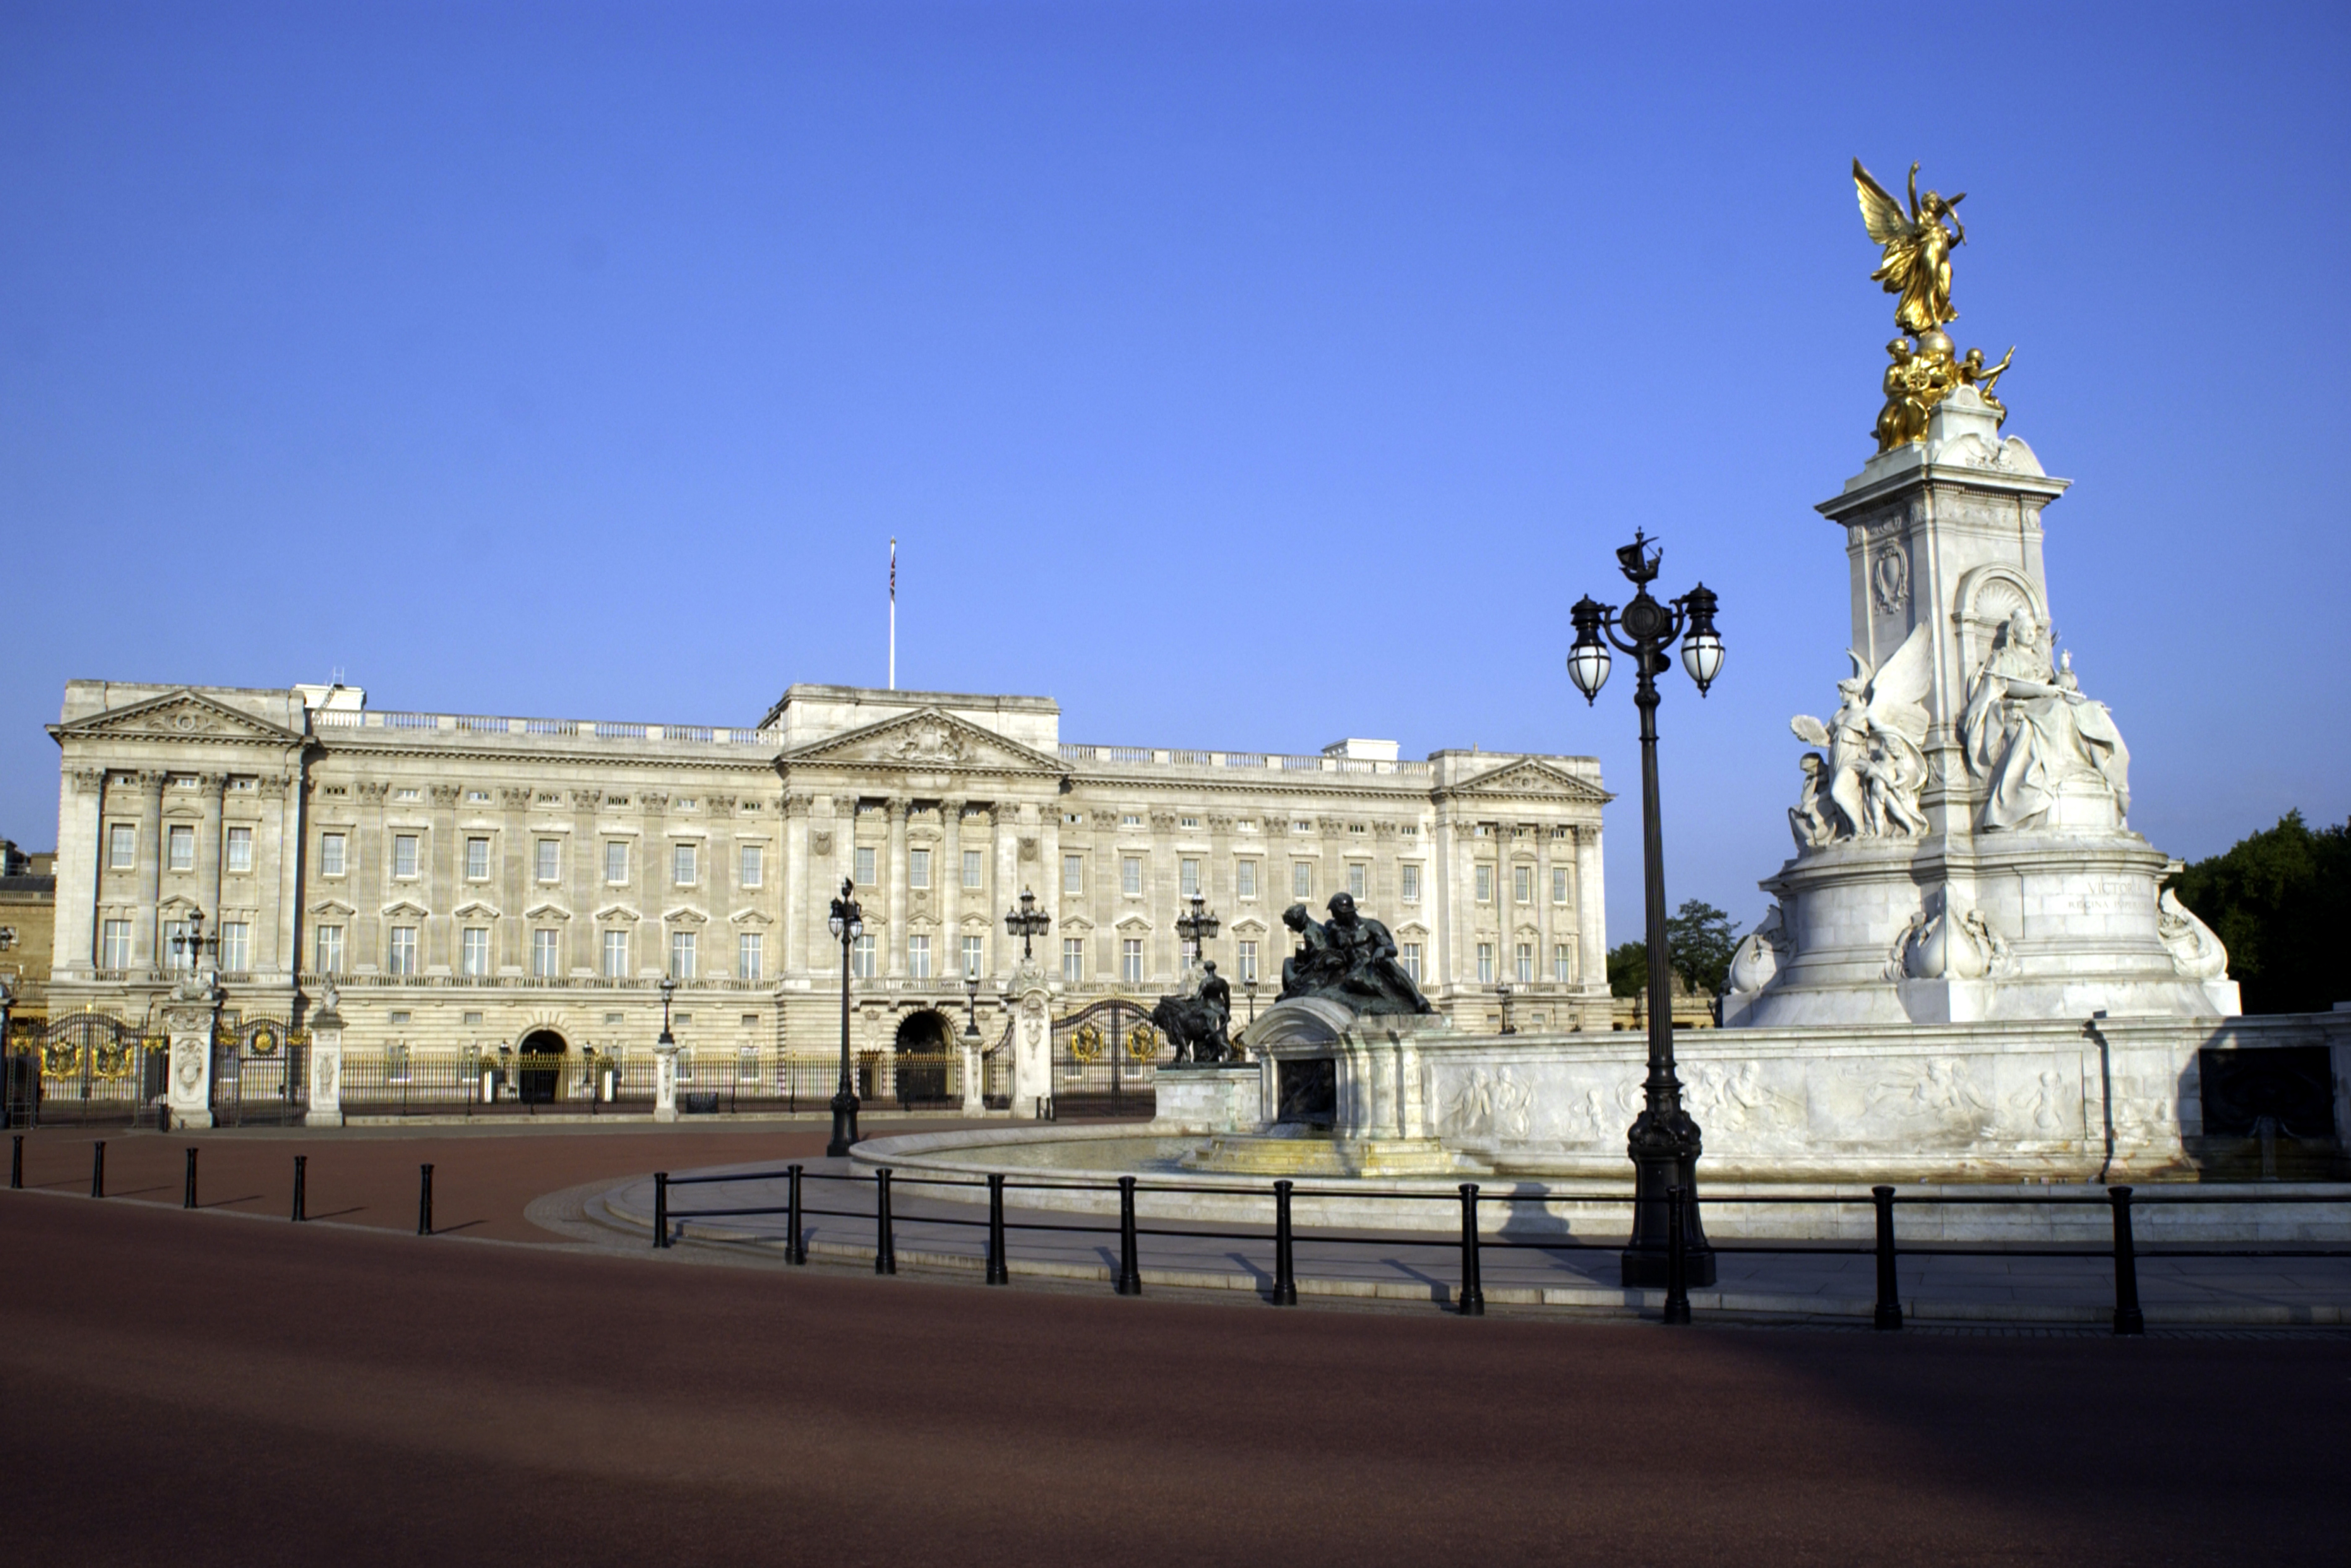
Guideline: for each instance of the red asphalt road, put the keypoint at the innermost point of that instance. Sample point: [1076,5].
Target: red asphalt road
[205,1388]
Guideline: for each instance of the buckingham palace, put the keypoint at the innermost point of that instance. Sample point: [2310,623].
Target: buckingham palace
[470,883]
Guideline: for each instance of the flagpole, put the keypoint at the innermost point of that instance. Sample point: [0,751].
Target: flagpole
[893,614]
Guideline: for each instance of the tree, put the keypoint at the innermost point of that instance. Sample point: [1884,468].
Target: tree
[2280,900]
[1700,939]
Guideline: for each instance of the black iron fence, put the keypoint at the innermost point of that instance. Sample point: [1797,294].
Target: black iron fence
[1467,1293]
[1106,1060]
[83,1069]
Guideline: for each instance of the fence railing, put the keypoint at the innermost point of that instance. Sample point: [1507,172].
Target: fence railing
[1468,1294]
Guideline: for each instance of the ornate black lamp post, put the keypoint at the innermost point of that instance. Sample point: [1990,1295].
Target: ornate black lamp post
[192,944]
[1199,927]
[1664,1141]
[971,1006]
[1250,986]
[1027,922]
[847,925]
[1503,990]
[668,990]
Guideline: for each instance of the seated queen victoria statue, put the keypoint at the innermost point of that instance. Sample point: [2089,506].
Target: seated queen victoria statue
[1350,960]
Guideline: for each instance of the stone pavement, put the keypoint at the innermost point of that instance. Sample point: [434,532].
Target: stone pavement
[2018,1286]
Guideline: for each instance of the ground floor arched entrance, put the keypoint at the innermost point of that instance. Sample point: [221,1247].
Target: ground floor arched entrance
[927,1068]
[539,1066]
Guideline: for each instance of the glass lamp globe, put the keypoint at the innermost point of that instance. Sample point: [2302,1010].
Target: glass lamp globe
[833,926]
[1587,666]
[1702,658]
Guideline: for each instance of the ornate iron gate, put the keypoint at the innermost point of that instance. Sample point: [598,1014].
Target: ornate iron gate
[83,1069]
[260,1074]
[1106,1060]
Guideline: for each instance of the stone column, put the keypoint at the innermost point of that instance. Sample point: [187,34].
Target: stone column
[665,1081]
[146,932]
[895,924]
[1591,914]
[794,958]
[276,865]
[947,880]
[82,867]
[973,1102]
[1005,824]
[325,1063]
[1032,1042]
[209,849]
[189,1017]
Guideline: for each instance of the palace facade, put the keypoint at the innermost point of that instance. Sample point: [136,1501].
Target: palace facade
[473,881]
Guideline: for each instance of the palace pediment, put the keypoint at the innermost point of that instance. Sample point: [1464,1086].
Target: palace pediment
[929,739]
[1529,779]
[542,911]
[182,714]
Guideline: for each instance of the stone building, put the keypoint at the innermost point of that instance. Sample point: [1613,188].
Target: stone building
[470,881]
[29,886]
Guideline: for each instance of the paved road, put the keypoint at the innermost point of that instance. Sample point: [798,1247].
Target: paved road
[199,1388]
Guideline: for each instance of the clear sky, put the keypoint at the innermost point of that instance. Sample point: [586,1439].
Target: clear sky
[1242,376]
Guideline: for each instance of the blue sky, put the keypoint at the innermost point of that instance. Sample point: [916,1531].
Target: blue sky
[1242,376]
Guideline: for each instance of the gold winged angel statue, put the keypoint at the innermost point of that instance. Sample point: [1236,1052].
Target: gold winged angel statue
[1875,764]
[1917,260]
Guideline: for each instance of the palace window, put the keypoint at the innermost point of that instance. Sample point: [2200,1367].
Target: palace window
[235,947]
[477,798]
[1410,953]
[974,955]
[403,950]
[1130,875]
[1522,883]
[550,860]
[121,851]
[546,954]
[1130,960]
[1485,882]
[477,860]
[1073,874]
[750,958]
[1485,963]
[1073,958]
[616,861]
[864,865]
[972,867]
[182,845]
[616,954]
[918,867]
[176,956]
[1525,967]
[114,944]
[861,957]
[404,794]
[331,949]
[1131,820]
[1562,968]
[681,955]
[1187,878]
[1189,824]
[1302,879]
[1559,884]
[1245,879]
[1358,874]
[754,858]
[330,855]
[403,854]
[473,951]
[918,958]
[238,855]
[683,867]
[1245,959]
[1409,885]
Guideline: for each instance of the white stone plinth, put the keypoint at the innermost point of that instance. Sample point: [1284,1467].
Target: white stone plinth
[326,1108]
[665,1083]
[1214,1099]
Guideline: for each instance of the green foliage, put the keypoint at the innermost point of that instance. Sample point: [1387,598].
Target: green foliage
[2279,901]
[1701,940]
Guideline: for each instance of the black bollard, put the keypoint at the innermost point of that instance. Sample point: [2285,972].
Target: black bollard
[661,1208]
[1130,1276]
[885,1241]
[188,1192]
[2128,1317]
[301,1169]
[97,1168]
[1285,1266]
[999,1268]
[1890,1301]
[17,1163]
[795,1242]
[423,1200]
[1471,1300]
[1677,1262]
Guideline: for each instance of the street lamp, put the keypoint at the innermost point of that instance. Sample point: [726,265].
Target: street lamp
[1250,986]
[1664,1141]
[668,990]
[192,944]
[971,1005]
[1197,927]
[1026,921]
[1503,990]
[847,925]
